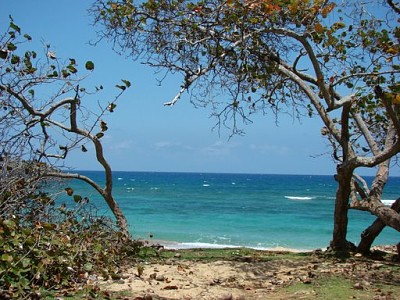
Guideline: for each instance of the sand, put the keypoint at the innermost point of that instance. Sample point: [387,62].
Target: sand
[246,278]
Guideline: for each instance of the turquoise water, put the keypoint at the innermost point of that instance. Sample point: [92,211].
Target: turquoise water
[259,211]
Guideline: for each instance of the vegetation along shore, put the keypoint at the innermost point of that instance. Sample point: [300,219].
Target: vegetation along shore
[335,64]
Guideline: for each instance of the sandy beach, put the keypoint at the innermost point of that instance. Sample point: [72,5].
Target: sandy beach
[246,277]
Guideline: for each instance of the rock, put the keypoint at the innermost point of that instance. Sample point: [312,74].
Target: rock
[160,277]
[358,286]
[226,297]
[216,281]
[377,266]
[115,276]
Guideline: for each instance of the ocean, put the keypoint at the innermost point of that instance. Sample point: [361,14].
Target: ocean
[184,210]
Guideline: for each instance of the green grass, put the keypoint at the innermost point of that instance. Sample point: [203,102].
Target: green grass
[335,287]
[227,254]
[87,294]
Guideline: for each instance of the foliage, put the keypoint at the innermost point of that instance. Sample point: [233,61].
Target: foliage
[44,246]
[66,250]
[339,62]
[44,117]
[238,48]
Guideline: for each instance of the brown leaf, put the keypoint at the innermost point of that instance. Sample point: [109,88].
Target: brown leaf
[170,287]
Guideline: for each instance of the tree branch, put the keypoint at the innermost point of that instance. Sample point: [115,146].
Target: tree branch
[314,100]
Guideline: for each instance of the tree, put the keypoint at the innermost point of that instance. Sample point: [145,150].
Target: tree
[337,62]
[43,118]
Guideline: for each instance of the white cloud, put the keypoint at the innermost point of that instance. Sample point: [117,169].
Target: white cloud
[219,148]
[162,145]
[270,149]
[121,145]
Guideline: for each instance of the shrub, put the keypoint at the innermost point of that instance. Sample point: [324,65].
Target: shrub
[59,253]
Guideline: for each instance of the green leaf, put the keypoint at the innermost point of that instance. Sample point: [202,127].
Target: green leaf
[28,37]
[15,27]
[126,82]
[3,54]
[11,47]
[122,87]
[78,198]
[111,107]
[26,262]
[31,70]
[9,224]
[349,85]
[49,226]
[103,126]
[7,257]
[72,69]
[65,73]
[15,59]
[89,65]
[54,74]
[88,267]
[99,135]
[339,25]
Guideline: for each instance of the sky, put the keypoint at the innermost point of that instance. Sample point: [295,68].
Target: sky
[143,134]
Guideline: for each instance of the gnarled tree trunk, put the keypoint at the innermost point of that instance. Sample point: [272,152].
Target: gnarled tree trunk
[369,235]
[339,241]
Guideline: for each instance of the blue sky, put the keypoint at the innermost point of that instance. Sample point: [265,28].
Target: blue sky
[146,136]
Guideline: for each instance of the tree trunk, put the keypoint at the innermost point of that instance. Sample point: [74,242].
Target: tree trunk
[339,242]
[122,223]
[105,193]
[369,235]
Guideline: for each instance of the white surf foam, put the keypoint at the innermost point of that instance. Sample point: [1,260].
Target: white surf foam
[298,198]
[388,202]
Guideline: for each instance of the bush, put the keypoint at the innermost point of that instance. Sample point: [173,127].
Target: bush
[61,254]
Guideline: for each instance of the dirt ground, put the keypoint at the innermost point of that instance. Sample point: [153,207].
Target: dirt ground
[249,277]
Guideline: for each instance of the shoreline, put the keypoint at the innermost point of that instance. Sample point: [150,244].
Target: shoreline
[174,245]
[251,274]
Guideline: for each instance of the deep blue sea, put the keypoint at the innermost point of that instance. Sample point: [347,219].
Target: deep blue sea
[252,210]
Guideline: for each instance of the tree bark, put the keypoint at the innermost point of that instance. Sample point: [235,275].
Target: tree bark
[122,223]
[105,193]
[339,241]
[369,235]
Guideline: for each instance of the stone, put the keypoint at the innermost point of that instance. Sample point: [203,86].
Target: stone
[160,277]
[226,297]
[358,286]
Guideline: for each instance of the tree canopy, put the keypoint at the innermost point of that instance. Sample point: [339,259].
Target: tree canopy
[48,245]
[337,61]
[44,117]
